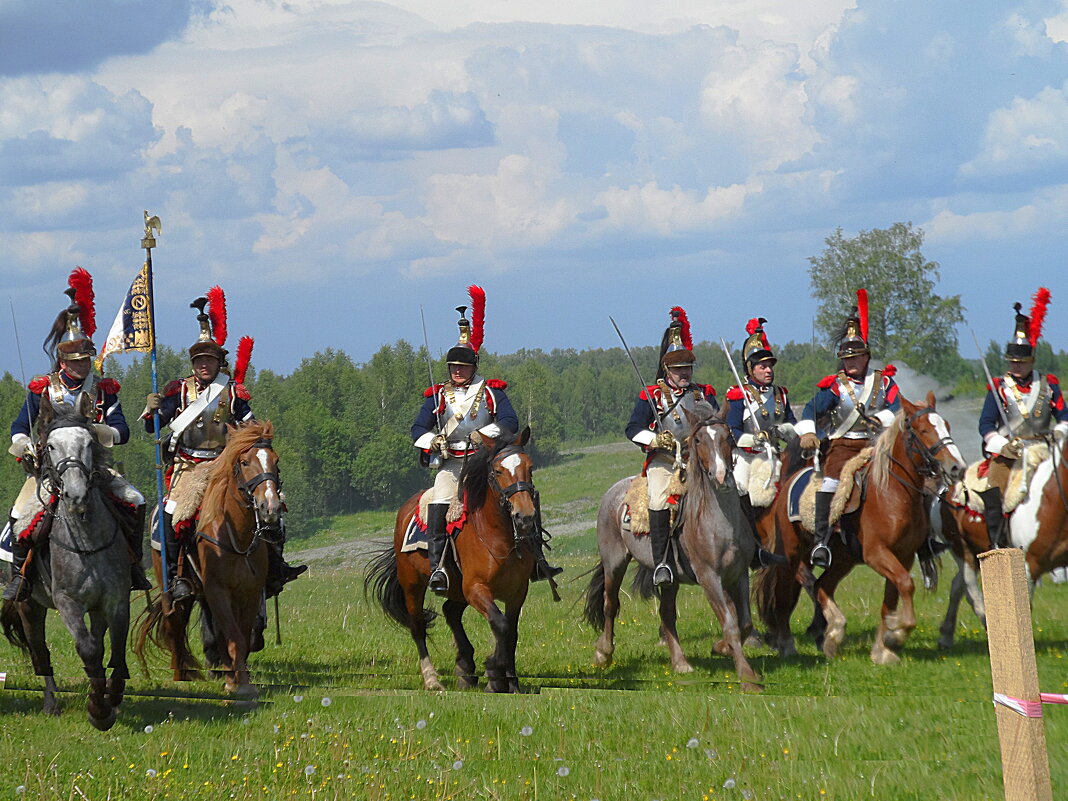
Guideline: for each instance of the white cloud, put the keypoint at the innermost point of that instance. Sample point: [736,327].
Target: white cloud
[670,212]
[1031,133]
[1047,211]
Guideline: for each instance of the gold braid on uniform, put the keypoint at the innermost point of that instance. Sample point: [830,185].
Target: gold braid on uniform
[450,396]
[1017,396]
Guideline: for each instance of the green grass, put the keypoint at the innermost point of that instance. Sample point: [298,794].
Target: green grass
[844,729]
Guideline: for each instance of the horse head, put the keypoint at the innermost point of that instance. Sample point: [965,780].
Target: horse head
[929,443]
[68,442]
[709,443]
[510,473]
[256,470]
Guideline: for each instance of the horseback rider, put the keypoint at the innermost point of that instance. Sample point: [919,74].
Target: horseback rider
[859,403]
[1021,409]
[661,435]
[198,409]
[70,347]
[760,418]
[445,430]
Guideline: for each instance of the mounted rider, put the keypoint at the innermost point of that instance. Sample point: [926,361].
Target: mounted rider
[198,409]
[852,406]
[449,427]
[661,435]
[761,420]
[70,347]
[1021,409]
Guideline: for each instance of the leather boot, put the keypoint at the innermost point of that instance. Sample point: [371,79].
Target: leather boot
[435,546]
[659,534]
[762,557]
[821,552]
[179,587]
[994,517]
[542,569]
[279,571]
[135,538]
[18,588]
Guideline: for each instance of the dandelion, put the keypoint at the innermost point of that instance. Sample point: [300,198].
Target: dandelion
[309,770]
[692,742]
[563,770]
[149,729]
[277,728]
[729,784]
[150,773]
[526,731]
[459,763]
[326,701]
[21,789]
[747,795]
[245,721]
[420,724]
[297,699]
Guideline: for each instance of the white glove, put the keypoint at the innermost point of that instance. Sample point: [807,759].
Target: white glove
[20,444]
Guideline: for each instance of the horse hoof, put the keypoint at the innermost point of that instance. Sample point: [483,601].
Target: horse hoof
[51,709]
[684,667]
[885,657]
[601,659]
[434,686]
[754,640]
[246,692]
[104,723]
[466,682]
[749,687]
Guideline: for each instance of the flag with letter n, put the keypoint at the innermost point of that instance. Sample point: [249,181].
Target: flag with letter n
[132,330]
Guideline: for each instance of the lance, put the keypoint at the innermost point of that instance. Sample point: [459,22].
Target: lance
[751,405]
[435,458]
[990,382]
[148,241]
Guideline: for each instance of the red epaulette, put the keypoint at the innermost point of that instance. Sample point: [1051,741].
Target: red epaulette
[430,392]
[172,388]
[1052,379]
[242,392]
[889,371]
[109,386]
[647,393]
[38,385]
[496,383]
[734,393]
[827,381]
[709,389]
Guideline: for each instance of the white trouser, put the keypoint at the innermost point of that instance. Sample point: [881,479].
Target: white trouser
[659,473]
[447,481]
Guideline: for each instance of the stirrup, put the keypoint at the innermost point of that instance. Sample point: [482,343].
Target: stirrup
[18,589]
[662,575]
[439,581]
[544,571]
[766,558]
[180,588]
[821,556]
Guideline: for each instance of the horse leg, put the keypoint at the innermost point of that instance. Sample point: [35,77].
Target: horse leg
[481,598]
[118,629]
[89,643]
[833,617]
[669,634]
[33,617]
[731,644]
[234,643]
[614,572]
[897,619]
[465,651]
[511,611]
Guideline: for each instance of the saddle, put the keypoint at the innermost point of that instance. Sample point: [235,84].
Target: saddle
[847,498]
[189,493]
[966,492]
[761,473]
[635,512]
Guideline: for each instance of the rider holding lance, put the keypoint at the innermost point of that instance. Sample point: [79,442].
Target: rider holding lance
[445,430]
[859,403]
[198,409]
[1021,408]
[760,418]
[70,347]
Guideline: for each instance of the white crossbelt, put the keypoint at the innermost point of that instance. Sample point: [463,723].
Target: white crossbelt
[208,398]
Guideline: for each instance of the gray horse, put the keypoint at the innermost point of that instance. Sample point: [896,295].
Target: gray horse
[717,550]
[84,569]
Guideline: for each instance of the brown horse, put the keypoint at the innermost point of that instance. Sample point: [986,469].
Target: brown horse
[885,533]
[1038,526]
[716,546]
[242,502]
[490,560]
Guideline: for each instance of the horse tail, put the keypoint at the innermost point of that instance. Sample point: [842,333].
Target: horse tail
[381,584]
[642,584]
[594,611]
[147,629]
[12,623]
[765,592]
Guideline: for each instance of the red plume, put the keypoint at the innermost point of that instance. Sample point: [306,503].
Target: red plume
[478,315]
[217,314]
[752,326]
[1038,315]
[82,284]
[244,355]
[862,312]
[685,321]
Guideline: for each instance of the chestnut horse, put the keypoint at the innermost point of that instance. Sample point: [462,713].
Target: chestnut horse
[888,529]
[242,503]
[713,537]
[490,559]
[1038,526]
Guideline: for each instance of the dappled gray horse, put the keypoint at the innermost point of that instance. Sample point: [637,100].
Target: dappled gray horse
[713,536]
[84,569]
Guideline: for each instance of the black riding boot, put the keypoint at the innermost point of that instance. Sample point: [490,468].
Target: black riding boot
[18,588]
[994,517]
[659,534]
[279,571]
[821,552]
[435,546]
[542,569]
[762,557]
[179,587]
[135,538]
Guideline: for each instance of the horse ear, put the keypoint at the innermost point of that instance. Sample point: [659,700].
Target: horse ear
[524,437]
[46,413]
[85,405]
[931,398]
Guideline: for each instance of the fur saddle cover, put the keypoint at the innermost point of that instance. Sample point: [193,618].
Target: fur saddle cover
[761,472]
[966,493]
[635,512]
[846,498]
[189,493]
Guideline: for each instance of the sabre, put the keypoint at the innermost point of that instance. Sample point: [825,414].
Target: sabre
[641,381]
[990,381]
[750,405]
[435,458]
[22,369]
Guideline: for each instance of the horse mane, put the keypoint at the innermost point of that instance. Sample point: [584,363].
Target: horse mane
[881,450]
[703,414]
[66,416]
[240,439]
[474,478]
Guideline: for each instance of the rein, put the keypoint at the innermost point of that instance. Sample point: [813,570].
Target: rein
[246,488]
[929,467]
[54,474]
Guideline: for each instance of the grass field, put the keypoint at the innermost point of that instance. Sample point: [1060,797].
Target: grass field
[343,715]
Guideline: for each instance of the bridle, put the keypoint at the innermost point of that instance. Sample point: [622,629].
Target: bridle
[930,466]
[505,494]
[246,488]
[54,475]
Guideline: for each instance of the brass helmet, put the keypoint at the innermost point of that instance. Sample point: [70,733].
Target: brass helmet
[466,349]
[755,349]
[212,322]
[852,337]
[1028,329]
[676,346]
[71,336]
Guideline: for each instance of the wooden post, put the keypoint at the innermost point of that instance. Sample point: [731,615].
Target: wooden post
[1024,760]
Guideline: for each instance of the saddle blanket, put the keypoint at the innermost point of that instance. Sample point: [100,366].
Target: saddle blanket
[6,554]
[414,536]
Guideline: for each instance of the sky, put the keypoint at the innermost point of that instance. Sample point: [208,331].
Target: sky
[341,168]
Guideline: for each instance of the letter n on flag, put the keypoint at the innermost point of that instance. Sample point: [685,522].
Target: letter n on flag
[132,330]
